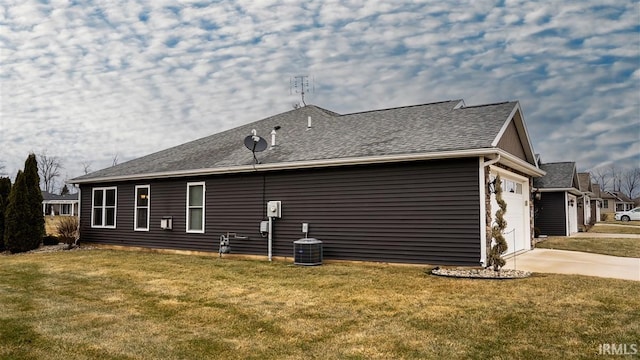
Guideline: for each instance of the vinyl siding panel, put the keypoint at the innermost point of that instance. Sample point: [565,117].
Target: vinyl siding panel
[551,214]
[418,212]
[510,142]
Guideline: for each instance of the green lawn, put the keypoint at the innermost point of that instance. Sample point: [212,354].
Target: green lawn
[610,229]
[102,304]
[605,246]
[628,223]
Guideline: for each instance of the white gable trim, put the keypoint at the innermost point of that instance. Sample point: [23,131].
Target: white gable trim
[522,133]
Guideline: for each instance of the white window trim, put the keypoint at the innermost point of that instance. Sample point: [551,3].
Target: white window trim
[104,207]
[204,191]
[136,207]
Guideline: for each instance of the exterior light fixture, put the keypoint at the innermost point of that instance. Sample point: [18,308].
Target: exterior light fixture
[492,186]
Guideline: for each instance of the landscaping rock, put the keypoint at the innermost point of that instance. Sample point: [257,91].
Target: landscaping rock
[475,273]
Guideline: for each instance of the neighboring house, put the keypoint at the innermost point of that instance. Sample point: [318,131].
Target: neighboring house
[584,201]
[404,185]
[622,201]
[556,210]
[53,204]
[608,202]
[596,203]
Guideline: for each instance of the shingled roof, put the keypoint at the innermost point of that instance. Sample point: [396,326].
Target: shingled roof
[436,127]
[47,196]
[584,179]
[560,175]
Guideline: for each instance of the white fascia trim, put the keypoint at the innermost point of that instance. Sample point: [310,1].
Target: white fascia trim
[496,140]
[60,201]
[519,164]
[573,191]
[483,213]
[506,158]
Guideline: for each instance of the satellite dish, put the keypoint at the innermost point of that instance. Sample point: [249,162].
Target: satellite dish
[255,143]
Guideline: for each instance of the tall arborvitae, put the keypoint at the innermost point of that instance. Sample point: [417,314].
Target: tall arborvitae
[16,230]
[500,245]
[36,220]
[24,222]
[5,189]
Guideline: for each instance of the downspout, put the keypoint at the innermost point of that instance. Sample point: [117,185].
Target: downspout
[491,162]
[79,202]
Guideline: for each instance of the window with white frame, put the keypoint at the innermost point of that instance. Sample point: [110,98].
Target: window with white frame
[65,209]
[195,207]
[103,207]
[511,186]
[142,205]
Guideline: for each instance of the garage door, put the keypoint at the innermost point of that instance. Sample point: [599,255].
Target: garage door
[572,214]
[514,193]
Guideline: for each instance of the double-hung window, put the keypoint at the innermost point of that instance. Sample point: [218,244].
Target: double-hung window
[195,207]
[142,204]
[103,207]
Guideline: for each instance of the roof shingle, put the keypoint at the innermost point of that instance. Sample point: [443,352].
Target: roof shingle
[435,127]
[559,176]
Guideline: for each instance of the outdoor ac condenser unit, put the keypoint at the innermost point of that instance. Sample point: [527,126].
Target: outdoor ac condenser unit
[307,251]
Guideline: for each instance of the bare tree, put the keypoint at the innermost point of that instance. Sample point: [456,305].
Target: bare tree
[2,167]
[86,167]
[616,176]
[631,182]
[49,170]
[601,176]
[115,160]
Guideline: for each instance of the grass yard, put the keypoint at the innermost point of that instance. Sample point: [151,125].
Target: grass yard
[136,305]
[610,220]
[612,229]
[606,246]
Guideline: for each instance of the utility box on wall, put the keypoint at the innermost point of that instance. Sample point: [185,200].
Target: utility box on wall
[166,223]
[274,209]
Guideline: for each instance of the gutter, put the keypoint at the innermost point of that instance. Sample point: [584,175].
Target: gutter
[491,162]
[572,191]
[502,156]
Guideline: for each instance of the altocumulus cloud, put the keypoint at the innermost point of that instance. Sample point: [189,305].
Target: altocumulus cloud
[88,80]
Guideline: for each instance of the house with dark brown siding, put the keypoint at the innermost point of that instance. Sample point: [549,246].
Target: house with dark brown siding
[404,185]
[558,199]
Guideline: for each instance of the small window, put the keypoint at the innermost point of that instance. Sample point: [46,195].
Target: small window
[605,203]
[103,208]
[195,207]
[65,209]
[511,186]
[141,214]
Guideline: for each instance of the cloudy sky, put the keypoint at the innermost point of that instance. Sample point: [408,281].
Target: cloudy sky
[89,80]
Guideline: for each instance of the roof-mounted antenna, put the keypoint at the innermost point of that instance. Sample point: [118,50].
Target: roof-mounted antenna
[300,85]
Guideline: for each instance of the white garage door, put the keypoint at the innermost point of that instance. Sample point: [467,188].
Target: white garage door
[572,214]
[514,193]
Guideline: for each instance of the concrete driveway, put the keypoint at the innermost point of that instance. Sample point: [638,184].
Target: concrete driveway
[573,262]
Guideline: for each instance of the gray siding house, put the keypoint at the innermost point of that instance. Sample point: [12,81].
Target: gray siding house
[406,185]
[556,210]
